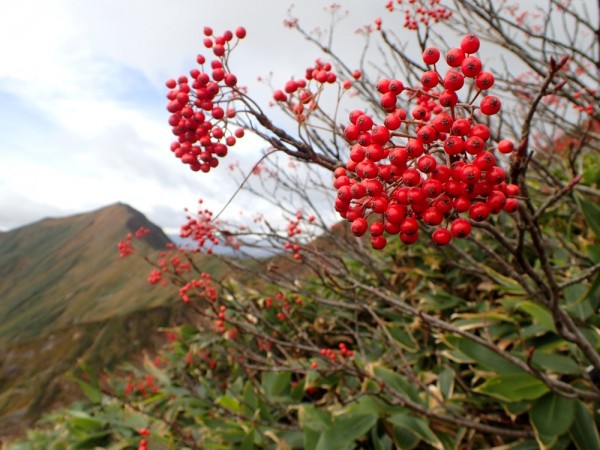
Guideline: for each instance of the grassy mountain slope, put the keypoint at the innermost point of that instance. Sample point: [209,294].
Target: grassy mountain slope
[66,296]
[58,272]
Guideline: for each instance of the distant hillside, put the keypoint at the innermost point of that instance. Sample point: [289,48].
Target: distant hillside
[58,272]
[65,296]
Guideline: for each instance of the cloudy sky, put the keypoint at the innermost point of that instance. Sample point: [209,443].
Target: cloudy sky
[82,107]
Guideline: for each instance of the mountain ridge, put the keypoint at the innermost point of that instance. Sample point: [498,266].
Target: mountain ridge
[65,297]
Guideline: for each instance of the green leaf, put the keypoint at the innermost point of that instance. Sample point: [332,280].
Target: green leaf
[397,382]
[584,431]
[345,430]
[276,384]
[314,418]
[551,416]
[555,363]
[417,426]
[591,211]
[539,314]
[91,392]
[229,403]
[446,382]
[82,421]
[513,387]
[405,339]
[483,356]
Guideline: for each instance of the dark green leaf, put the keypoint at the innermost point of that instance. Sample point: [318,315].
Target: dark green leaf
[584,431]
[513,387]
[551,416]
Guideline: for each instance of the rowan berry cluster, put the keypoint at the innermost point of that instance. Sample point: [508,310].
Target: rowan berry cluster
[203,287]
[420,12]
[430,165]
[200,106]
[200,228]
[301,95]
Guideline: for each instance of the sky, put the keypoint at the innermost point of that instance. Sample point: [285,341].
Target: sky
[83,122]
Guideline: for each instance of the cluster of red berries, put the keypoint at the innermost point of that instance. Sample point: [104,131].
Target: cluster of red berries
[203,286]
[421,12]
[301,95]
[125,246]
[143,386]
[427,166]
[144,432]
[200,228]
[200,106]
[333,355]
[293,230]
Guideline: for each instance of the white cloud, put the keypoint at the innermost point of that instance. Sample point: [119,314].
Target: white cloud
[85,120]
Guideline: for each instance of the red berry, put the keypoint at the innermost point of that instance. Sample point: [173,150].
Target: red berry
[484,80]
[378,242]
[448,99]
[470,43]
[506,146]
[471,66]
[455,57]
[460,228]
[431,55]
[240,32]
[479,212]
[430,79]
[490,105]
[454,81]
[441,236]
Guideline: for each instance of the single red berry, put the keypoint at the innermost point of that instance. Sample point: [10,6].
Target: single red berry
[460,228]
[470,43]
[454,81]
[383,85]
[484,80]
[409,226]
[378,242]
[240,32]
[454,145]
[448,99]
[480,130]
[471,66]
[455,57]
[388,101]
[359,227]
[441,236]
[432,216]
[490,105]
[431,55]
[506,146]
[511,205]
[479,212]
[512,190]
[430,79]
